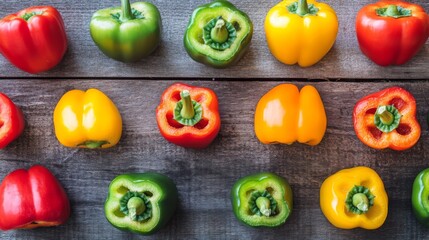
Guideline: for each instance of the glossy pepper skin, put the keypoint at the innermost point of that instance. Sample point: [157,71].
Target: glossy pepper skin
[127,33]
[420,197]
[11,121]
[87,119]
[141,202]
[200,127]
[218,34]
[285,115]
[300,32]
[33,39]
[400,129]
[391,32]
[262,200]
[354,197]
[32,198]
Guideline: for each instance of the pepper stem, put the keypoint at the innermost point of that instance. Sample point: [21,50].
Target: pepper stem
[188,108]
[392,11]
[263,204]
[93,144]
[302,9]
[187,112]
[359,200]
[219,33]
[387,118]
[136,207]
[127,14]
[29,15]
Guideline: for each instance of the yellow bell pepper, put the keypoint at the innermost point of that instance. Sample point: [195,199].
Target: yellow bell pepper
[354,198]
[285,115]
[87,119]
[300,32]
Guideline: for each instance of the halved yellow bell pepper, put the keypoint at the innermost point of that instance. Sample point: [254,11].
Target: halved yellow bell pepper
[301,32]
[354,198]
[285,115]
[87,119]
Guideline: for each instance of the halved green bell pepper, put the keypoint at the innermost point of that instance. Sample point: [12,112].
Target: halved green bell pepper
[141,202]
[128,33]
[420,197]
[218,34]
[263,199]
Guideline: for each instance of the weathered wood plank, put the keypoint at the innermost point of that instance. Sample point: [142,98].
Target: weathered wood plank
[83,59]
[205,177]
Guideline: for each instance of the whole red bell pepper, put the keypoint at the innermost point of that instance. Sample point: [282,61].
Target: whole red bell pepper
[188,116]
[387,119]
[391,32]
[33,39]
[33,198]
[11,121]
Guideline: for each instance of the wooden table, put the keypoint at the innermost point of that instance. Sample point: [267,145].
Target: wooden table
[204,177]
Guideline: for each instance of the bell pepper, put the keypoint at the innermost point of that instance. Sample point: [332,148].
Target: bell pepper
[300,31]
[387,119]
[420,197]
[188,116]
[354,197]
[391,32]
[33,39]
[285,115]
[127,33]
[87,119]
[263,199]
[32,198]
[141,202]
[218,34]
[11,121]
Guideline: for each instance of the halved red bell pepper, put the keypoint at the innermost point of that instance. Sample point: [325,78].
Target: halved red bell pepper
[33,39]
[11,121]
[188,116]
[33,198]
[387,119]
[391,32]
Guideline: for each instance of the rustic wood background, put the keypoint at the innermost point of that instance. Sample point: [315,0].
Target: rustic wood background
[204,177]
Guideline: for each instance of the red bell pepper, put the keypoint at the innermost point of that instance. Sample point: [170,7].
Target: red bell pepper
[33,39]
[387,119]
[391,32]
[188,116]
[33,198]
[11,121]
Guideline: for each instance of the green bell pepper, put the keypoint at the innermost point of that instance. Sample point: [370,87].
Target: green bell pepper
[420,197]
[263,199]
[128,33]
[218,34]
[141,202]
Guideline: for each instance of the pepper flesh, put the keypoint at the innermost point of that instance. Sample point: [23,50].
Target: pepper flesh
[11,121]
[285,115]
[304,39]
[201,52]
[87,119]
[278,188]
[32,198]
[391,40]
[128,33]
[334,192]
[33,39]
[420,197]
[199,135]
[404,136]
[161,194]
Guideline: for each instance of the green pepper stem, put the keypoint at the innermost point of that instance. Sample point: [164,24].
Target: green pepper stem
[360,201]
[263,205]
[29,15]
[188,108]
[302,9]
[219,33]
[135,207]
[392,11]
[127,14]
[386,117]
[93,144]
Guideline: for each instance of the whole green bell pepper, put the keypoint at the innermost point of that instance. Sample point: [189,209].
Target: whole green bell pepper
[218,34]
[141,202]
[263,199]
[128,33]
[420,197]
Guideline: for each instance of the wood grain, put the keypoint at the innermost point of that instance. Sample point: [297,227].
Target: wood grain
[83,59]
[204,177]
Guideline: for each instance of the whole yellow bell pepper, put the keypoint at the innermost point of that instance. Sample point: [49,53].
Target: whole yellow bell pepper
[354,198]
[87,119]
[285,115]
[301,32]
